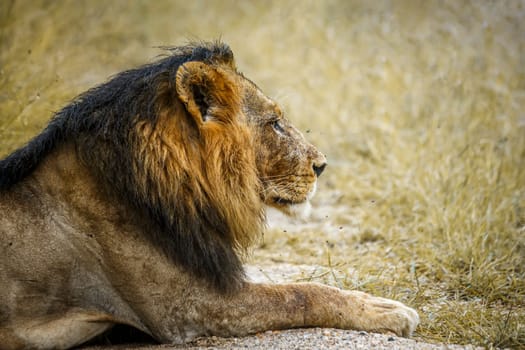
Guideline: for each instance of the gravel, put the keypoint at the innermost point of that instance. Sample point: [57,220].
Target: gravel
[314,338]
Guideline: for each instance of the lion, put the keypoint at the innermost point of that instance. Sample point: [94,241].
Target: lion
[138,202]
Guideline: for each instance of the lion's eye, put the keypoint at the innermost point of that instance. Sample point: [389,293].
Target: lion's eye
[278,127]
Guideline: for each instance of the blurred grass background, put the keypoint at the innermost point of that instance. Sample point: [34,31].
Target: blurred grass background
[418,105]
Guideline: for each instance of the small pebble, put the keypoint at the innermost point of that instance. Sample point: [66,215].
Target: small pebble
[391,339]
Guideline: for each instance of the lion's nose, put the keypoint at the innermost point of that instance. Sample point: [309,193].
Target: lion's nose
[319,168]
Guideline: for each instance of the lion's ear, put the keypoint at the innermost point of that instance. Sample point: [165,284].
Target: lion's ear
[207,92]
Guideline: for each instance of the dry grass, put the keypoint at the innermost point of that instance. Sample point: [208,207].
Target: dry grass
[419,106]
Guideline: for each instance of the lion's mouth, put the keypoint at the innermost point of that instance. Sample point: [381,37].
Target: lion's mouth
[283,201]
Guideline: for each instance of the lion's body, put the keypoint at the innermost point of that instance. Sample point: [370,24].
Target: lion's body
[137,202]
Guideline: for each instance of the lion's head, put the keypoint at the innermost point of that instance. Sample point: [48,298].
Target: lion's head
[194,148]
[287,165]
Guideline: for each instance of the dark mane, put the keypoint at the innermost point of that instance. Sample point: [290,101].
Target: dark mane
[100,121]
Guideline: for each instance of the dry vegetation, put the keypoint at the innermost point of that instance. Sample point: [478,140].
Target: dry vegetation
[419,106]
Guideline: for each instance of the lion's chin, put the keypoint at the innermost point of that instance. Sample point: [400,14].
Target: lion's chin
[296,210]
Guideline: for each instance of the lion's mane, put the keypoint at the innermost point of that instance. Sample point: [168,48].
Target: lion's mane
[196,185]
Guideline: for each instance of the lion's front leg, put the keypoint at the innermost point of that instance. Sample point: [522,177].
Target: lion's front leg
[261,307]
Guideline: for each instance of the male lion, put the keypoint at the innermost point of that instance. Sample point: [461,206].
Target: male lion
[136,203]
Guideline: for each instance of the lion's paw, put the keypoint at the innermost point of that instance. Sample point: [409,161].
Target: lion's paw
[384,315]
